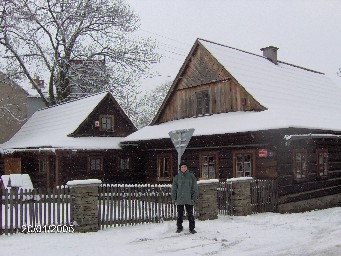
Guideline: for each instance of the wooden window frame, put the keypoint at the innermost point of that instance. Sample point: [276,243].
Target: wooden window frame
[214,154]
[304,173]
[202,111]
[94,157]
[326,158]
[159,158]
[112,123]
[253,161]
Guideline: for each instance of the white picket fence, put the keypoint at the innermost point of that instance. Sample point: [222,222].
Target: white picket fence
[23,210]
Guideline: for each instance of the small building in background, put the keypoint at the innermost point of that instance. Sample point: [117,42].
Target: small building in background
[13,107]
[79,139]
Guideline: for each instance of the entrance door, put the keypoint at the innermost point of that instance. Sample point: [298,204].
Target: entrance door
[12,165]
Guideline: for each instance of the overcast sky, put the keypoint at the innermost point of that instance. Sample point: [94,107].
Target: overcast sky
[307,32]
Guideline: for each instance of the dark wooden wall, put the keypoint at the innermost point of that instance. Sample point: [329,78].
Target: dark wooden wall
[122,126]
[279,166]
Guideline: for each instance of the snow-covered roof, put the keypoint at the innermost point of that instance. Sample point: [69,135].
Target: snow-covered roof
[17,180]
[207,125]
[50,127]
[293,97]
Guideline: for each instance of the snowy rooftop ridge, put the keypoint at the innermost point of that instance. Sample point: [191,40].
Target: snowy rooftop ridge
[294,97]
[50,127]
[296,66]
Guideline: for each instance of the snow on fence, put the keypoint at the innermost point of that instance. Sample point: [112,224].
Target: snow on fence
[118,205]
[133,204]
[32,211]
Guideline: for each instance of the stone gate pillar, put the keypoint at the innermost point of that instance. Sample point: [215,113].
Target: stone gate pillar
[241,196]
[84,204]
[208,201]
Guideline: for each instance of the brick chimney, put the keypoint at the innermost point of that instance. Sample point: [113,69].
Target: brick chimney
[270,53]
[39,82]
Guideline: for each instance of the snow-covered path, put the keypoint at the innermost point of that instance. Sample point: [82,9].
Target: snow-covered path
[311,233]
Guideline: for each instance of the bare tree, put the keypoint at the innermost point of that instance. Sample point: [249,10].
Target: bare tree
[44,37]
[148,105]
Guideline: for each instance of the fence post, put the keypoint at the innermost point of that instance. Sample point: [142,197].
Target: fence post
[241,196]
[208,199]
[84,204]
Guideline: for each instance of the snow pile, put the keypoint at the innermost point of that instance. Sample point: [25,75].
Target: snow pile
[239,179]
[17,180]
[208,181]
[83,182]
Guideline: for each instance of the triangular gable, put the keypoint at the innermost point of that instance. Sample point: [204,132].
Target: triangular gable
[108,105]
[199,69]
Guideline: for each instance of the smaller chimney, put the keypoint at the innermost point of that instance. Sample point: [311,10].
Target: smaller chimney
[39,82]
[270,53]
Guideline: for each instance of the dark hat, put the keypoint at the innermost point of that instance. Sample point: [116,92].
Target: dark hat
[182,163]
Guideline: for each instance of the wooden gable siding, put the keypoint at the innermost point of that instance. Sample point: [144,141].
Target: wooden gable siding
[122,127]
[202,73]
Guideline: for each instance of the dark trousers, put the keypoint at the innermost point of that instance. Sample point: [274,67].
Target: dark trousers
[189,210]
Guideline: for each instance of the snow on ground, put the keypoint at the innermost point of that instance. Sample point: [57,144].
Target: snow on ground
[311,233]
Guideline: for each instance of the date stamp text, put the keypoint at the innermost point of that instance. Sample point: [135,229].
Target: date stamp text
[47,229]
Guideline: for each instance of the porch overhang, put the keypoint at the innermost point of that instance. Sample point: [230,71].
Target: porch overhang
[295,137]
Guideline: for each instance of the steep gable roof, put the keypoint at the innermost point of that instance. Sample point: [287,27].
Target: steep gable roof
[292,96]
[51,127]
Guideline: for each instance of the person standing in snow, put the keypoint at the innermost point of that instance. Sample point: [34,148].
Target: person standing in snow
[184,194]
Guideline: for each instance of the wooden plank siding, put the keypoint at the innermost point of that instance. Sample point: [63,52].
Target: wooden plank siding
[204,73]
[70,165]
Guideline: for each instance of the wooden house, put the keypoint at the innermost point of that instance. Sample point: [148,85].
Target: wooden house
[79,139]
[253,115]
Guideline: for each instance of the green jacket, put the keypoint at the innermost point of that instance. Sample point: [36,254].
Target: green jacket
[184,188]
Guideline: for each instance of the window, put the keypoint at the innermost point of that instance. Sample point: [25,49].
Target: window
[106,123]
[203,103]
[322,162]
[164,166]
[125,163]
[243,163]
[43,164]
[95,164]
[208,165]
[300,164]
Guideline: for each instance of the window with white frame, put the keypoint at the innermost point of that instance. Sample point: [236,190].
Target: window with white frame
[243,163]
[106,122]
[95,163]
[300,164]
[208,165]
[125,163]
[322,162]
